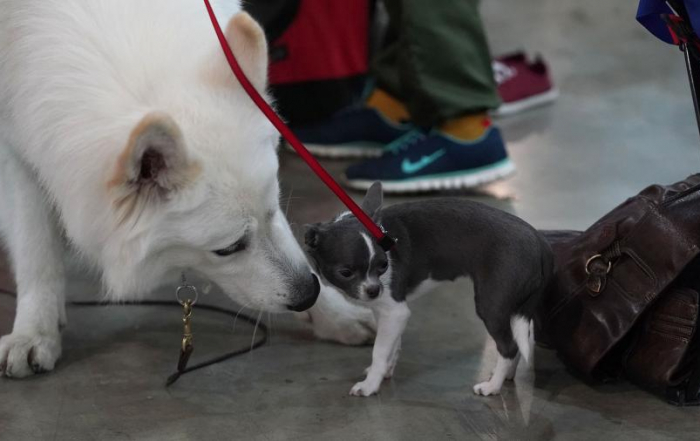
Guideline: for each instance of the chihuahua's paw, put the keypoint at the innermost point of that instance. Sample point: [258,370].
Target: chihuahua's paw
[487,388]
[364,389]
[389,373]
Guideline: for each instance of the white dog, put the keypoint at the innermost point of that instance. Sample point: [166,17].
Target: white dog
[123,129]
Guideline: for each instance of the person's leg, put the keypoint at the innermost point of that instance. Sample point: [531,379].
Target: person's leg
[437,61]
[439,67]
[434,70]
[388,98]
[364,129]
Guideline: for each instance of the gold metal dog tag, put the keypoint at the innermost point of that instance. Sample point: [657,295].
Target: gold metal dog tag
[186,347]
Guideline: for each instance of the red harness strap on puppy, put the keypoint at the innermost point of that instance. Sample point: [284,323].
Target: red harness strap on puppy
[384,240]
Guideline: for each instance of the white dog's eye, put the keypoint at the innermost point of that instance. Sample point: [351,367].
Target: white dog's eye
[232,249]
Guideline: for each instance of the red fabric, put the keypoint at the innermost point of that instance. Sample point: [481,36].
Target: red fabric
[385,241]
[327,40]
[674,37]
[525,79]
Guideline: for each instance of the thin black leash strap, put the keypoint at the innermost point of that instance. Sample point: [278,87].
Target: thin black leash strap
[182,370]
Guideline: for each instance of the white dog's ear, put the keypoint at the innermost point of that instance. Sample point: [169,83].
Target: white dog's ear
[154,162]
[248,43]
[373,200]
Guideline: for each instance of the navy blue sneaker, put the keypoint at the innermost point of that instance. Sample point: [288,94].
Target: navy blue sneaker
[420,161]
[358,132]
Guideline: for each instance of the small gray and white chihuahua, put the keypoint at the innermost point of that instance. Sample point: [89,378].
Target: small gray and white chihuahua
[438,240]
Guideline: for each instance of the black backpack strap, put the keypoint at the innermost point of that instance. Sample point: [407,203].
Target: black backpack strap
[688,392]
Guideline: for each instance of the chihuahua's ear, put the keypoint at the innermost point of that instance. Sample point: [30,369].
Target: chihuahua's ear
[311,237]
[373,200]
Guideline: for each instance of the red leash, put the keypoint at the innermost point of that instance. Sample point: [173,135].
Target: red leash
[383,239]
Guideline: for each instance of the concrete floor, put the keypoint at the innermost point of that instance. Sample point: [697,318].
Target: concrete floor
[624,120]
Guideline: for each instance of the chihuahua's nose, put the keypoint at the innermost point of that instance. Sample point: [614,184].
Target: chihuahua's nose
[373,291]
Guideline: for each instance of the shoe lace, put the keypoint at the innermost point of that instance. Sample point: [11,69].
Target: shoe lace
[502,72]
[403,143]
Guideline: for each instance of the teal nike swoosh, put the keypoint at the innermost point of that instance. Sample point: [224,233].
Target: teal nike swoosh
[409,167]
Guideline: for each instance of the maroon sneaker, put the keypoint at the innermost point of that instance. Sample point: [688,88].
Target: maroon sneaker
[522,84]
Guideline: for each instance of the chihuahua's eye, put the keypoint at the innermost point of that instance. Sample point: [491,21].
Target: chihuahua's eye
[232,249]
[346,273]
[383,266]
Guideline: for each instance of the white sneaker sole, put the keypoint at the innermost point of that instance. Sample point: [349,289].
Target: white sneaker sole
[341,151]
[527,103]
[447,181]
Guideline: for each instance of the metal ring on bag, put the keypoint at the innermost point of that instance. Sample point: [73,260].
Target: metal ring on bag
[597,256]
[187,287]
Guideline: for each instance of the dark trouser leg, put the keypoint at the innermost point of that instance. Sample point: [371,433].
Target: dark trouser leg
[437,62]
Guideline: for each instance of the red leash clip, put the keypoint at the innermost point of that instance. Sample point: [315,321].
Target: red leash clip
[383,239]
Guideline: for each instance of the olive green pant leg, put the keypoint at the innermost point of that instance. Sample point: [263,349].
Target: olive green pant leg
[437,61]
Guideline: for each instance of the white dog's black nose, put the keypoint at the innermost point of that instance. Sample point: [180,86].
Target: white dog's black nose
[306,298]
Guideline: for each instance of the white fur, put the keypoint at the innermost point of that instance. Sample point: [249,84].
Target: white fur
[76,78]
[342,216]
[369,279]
[524,337]
[370,248]
[392,317]
[338,319]
[504,368]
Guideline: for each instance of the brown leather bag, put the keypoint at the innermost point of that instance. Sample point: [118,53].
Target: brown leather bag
[624,298]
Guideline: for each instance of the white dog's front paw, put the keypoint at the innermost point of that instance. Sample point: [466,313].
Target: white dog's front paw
[336,319]
[352,334]
[22,355]
[304,316]
[364,389]
[487,388]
